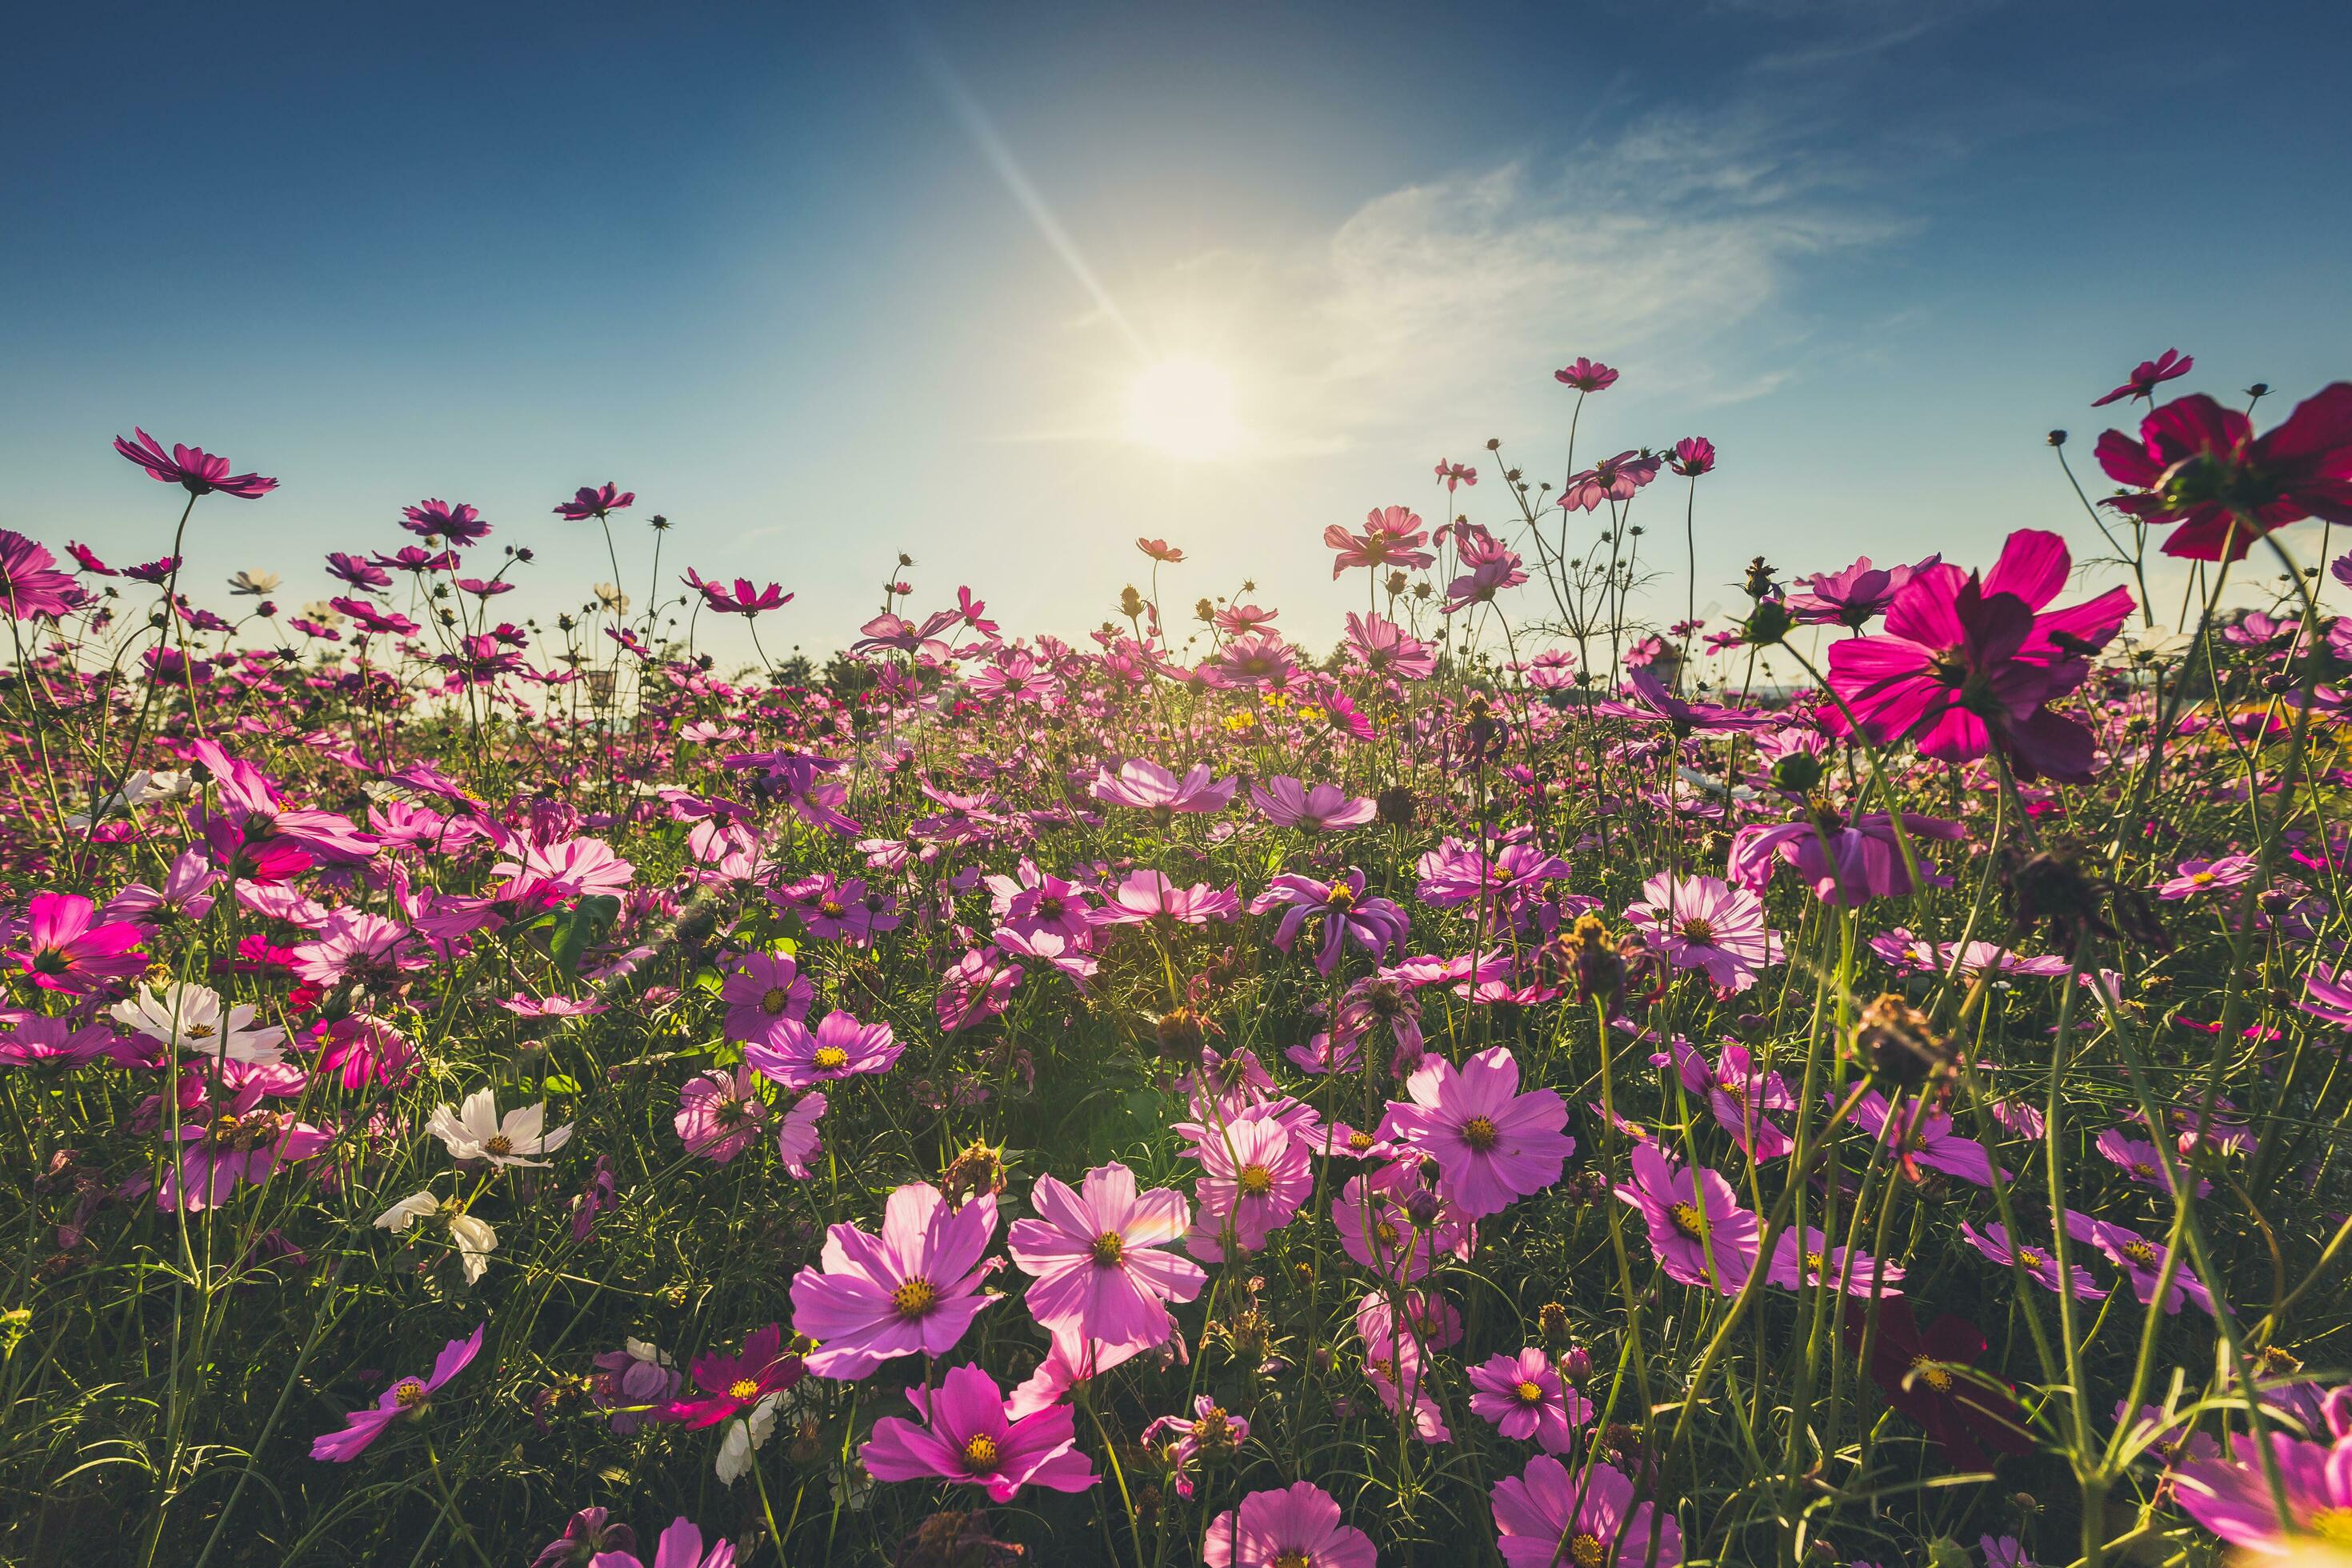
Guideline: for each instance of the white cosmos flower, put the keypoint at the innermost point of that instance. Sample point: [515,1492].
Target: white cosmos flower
[745,1436]
[474,1239]
[254,583]
[137,790]
[475,1132]
[191,1019]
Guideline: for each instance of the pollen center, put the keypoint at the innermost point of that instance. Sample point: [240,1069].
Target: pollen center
[1257,1181]
[772,1000]
[829,1059]
[914,1298]
[1479,1133]
[981,1453]
[1586,1551]
[1933,1375]
[1686,1219]
[1109,1248]
[1697,929]
[497,1143]
[742,1388]
[1528,1393]
[2141,1253]
[408,1394]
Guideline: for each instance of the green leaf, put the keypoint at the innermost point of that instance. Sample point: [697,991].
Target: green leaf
[581,928]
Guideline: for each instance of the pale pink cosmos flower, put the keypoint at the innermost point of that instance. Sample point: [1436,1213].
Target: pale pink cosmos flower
[1151,896]
[839,1046]
[1296,1526]
[1099,1260]
[408,1397]
[1818,1263]
[1705,923]
[1525,1396]
[2140,1160]
[969,1437]
[1392,536]
[1253,1176]
[1396,1365]
[2232,1498]
[1492,1143]
[915,1286]
[2041,1262]
[1288,803]
[720,1113]
[1386,1228]
[1548,1518]
[1691,1220]
[797,1138]
[2195,876]
[1148,786]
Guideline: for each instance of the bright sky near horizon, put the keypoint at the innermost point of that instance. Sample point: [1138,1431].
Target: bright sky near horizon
[1007,286]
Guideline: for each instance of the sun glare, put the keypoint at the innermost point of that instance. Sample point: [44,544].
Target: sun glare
[1184,407]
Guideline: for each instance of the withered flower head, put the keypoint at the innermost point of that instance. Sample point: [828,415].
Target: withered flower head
[1895,1041]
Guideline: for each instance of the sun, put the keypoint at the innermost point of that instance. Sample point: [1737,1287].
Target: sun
[1184,407]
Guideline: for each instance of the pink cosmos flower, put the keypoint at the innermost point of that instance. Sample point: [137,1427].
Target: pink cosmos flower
[1492,567]
[633,1382]
[1288,803]
[763,992]
[1853,597]
[1098,1258]
[408,1397]
[1651,702]
[1374,924]
[1296,1526]
[2142,1262]
[1253,1176]
[1969,663]
[1545,1518]
[797,1138]
[1033,901]
[1736,1094]
[30,584]
[1671,1201]
[1817,1263]
[1586,375]
[1160,549]
[1693,455]
[1392,536]
[1923,1139]
[1862,860]
[1525,1396]
[1146,787]
[1380,646]
[969,1437]
[1151,896]
[2233,1496]
[2196,877]
[2140,1159]
[1612,479]
[1454,475]
[679,1546]
[2201,466]
[839,1046]
[1492,1143]
[2149,374]
[551,873]
[243,1144]
[746,599]
[2039,1262]
[594,501]
[1705,923]
[979,986]
[720,1113]
[452,520]
[66,949]
[915,1286]
[1389,1223]
[731,1384]
[193,468]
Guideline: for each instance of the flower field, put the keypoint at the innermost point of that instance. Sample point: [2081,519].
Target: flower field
[1513,1075]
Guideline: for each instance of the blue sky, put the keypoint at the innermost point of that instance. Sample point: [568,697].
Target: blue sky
[773,271]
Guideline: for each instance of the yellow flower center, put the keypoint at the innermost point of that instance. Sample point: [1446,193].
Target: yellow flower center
[1932,1374]
[1697,929]
[1686,1220]
[2030,1258]
[1293,1559]
[914,1298]
[829,1059]
[200,1031]
[1385,1232]
[2144,1171]
[408,1394]
[772,1001]
[2200,878]
[497,1143]
[832,908]
[1528,1393]
[2141,1253]
[1586,1551]
[1817,1261]
[1257,1181]
[981,1453]
[1479,1133]
[2333,1524]
[1360,1142]
[1109,1249]
[742,1388]
[1342,899]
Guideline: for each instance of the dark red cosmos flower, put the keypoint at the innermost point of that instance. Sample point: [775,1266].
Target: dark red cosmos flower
[199,471]
[746,599]
[594,502]
[1693,455]
[1586,375]
[2169,365]
[731,1384]
[2201,466]
[1923,1376]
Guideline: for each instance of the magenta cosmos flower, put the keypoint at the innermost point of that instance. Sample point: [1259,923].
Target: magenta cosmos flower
[2232,1498]
[66,949]
[1671,1201]
[243,1144]
[1392,536]
[1386,1229]
[30,584]
[1151,896]
[1146,787]
[915,1286]
[2201,466]
[1855,596]
[1546,1520]
[452,520]
[1296,1526]
[731,1384]
[720,1113]
[838,1047]
[1253,1176]
[594,501]
[1525,1396]
[1816,1262]
[1705,923]
[1968,664]
[764,992]
[1586,375]
[969,1438]
[1693,455]
[1612,479]
[197,472]
[746,598]
[408,1397]
[2041,1262]
[2146,376]
[1492,1143]
[1374,924]
[1287,803]
[1098,1256]
[1848,860]
[2195,876]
